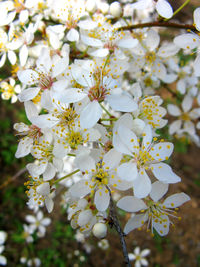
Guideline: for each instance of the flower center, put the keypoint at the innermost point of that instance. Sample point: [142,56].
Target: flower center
[7,89]
[74,139]
[34,132]
[137,257]
[100,177]
[185,117]
[45,81]
[67,117]
[45,150]
[143,158]
[150,57]
[97,93]
[148,81]
[19,5]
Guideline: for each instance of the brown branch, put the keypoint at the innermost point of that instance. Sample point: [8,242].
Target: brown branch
[159,24]
[114,221]
[11,179]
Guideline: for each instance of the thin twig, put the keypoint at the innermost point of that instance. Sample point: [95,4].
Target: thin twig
[179,9]
[11,179]
[66,176]
[159,24]
[115,222]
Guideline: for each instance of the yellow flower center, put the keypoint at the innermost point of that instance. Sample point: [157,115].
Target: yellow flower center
[74,139]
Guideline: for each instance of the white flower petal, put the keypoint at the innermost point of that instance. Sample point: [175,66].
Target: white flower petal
[49,172]
[112,159]
[196,66]
[31,109]
[3,236]
[24,147]
[49,204]
[164,9]
[102,199]
[196,16]
[82,76]
[161,225]
[3,60]
[85,162]
[175,126]
[87,24]
[119,145]
[84,217]
[12,57]
[161,151]
[187,41]
[158,190]
[28,76]
[121,102]
[46,221]
[145,252]
[147,136]
[152,40]
[129,139]
[71,95]
[3,260]
[173,110]
[80,189]
[144,262]
[90,115]
[23,55]
[101,52]
[44,121]
[168,50]
[73,35]
[131,204]
[91,41]
[142,185]
[181,86]
[163,172]
[135,222]
[28,94]
[127,43]
[187,103]
[43,189]
[36,170]
[60,67]
[127,171]
[176,200]
[30,219]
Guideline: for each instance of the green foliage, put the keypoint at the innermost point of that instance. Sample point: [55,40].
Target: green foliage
[160,241]
[8,144]
[198,260]
[176,259]
[181,146]
[63,230]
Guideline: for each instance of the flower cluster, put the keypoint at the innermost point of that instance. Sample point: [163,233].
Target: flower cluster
[89,84]
[3,236]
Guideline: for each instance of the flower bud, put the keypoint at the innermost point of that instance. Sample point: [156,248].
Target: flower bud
[91,6]
[99,230]
[115,9]
[138,126]
[104,7]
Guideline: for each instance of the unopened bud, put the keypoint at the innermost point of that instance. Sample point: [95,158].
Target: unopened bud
[104,7]
[99,230]
[115,9]
[91,6]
